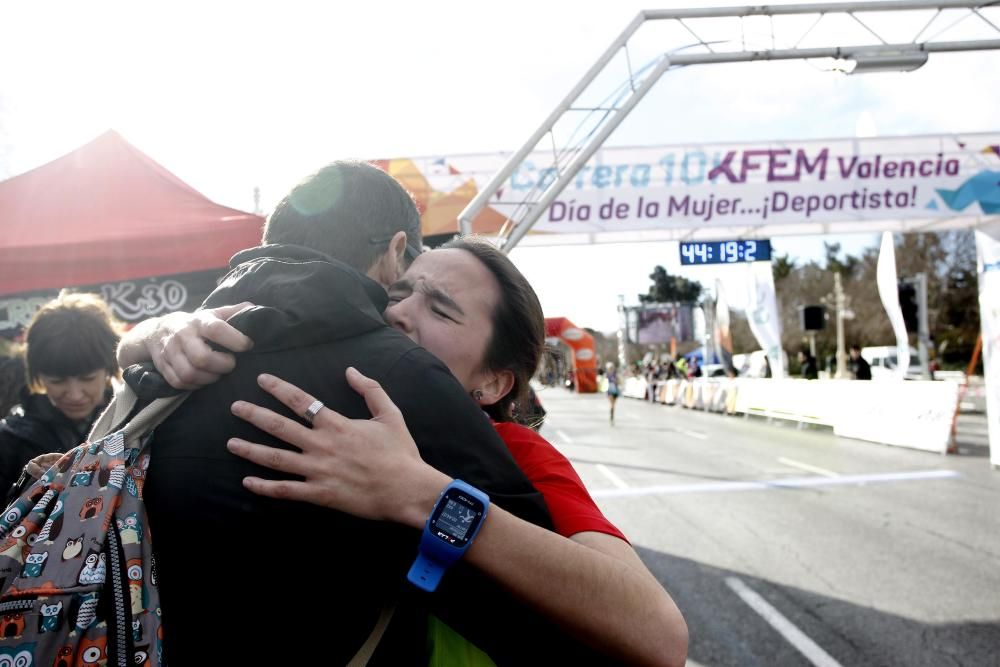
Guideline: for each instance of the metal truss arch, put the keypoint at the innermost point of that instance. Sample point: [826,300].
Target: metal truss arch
[878,50]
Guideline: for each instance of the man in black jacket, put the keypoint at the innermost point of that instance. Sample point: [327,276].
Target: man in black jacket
[858,365]
[246,579]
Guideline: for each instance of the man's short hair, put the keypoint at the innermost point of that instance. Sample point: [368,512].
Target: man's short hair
[349,210]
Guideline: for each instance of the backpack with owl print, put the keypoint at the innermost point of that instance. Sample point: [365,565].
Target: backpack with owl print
[77,575]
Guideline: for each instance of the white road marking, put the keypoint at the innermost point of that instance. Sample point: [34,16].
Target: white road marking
[565,438]
[692,434]
[763,485]
[612,477]
[807,467]
[806,646]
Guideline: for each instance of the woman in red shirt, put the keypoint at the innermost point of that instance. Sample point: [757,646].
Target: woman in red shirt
[468,305]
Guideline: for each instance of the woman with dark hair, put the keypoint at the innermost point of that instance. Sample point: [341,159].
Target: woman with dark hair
[467,304]
[70,360]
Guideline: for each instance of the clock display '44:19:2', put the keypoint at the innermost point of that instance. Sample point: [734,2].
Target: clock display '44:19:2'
[725,252]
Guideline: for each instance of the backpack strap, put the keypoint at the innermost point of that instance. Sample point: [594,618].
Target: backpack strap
[152,415]
[122,403]
[367,649]
[120,414]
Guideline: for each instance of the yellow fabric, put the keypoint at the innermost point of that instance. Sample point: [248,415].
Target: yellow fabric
[447,648]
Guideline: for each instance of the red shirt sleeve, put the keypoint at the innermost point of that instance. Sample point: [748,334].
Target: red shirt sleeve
[572,508]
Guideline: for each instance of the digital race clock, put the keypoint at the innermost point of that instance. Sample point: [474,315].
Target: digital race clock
[725,252]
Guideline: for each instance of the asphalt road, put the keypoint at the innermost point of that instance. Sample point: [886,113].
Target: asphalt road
[788,546]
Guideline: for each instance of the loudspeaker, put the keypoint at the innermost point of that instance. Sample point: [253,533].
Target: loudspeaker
[908,304]
[813,318]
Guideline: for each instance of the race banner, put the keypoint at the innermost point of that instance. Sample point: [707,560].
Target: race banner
[988,251]
[724,185]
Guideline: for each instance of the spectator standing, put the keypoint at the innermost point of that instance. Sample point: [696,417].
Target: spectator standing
[70,357]
[858,366]
[810,371]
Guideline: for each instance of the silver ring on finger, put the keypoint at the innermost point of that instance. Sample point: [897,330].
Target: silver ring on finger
[313,410]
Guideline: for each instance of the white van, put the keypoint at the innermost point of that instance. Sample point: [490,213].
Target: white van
[884,361]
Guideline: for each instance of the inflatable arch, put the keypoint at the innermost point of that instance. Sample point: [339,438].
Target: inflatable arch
[584,354]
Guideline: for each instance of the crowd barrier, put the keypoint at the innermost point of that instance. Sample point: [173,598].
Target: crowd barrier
[912,414]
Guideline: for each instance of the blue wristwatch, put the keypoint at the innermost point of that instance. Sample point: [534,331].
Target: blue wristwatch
[450,529]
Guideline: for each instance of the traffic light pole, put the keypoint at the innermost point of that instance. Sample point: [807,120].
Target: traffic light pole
[838,294]
[923,329]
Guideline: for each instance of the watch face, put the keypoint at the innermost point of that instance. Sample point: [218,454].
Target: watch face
[456,517]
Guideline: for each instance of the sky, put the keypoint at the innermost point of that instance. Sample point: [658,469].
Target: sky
[236,95]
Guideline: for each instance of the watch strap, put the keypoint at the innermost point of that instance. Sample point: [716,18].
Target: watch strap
[426,573]
[435,556]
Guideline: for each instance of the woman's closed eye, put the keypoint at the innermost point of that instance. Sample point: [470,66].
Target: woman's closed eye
[441,313]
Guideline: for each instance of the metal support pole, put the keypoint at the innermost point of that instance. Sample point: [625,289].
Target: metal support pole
[838,292]
[468,215]
[923,328]
[595,142]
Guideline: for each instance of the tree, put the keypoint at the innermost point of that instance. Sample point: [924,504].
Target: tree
[845,267]
[949,261]
[671,289]
[957,324]
[782,266]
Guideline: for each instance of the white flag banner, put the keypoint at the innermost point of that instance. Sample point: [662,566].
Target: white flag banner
[762,314]
[722,335]
[887,281]
[988,263]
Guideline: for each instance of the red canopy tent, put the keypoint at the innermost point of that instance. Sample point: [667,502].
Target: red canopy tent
[107,212]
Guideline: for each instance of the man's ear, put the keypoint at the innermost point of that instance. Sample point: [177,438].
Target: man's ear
[388,268]
[495,386]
